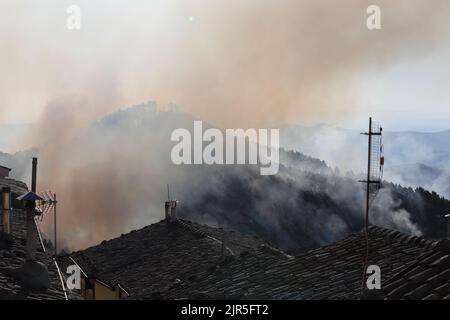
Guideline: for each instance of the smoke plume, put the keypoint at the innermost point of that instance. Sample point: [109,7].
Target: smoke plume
[234,64]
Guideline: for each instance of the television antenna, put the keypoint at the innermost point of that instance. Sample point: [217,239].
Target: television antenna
[47,205]
[375,164]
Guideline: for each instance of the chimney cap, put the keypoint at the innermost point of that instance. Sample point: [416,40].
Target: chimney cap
[29,196]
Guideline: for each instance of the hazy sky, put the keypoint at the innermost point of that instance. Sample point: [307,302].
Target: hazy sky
[234,63]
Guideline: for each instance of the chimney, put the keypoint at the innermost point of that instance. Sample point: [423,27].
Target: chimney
[4,172]
[33,275]
[31,245]
[30,199]
[167,207]
[171,210]
[6,210]
[34,175]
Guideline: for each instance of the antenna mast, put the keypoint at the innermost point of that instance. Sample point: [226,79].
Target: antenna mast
[49,202]
[375,163]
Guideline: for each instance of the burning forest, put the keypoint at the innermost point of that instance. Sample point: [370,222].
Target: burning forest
[220,151]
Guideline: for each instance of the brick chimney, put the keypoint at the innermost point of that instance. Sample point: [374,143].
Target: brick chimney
[6,210]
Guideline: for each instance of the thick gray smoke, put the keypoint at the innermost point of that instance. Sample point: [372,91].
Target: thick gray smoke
[235,64]
[412,158]
[111,177]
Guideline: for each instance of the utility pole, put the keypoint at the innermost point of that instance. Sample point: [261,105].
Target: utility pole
[49,202]
[54,222]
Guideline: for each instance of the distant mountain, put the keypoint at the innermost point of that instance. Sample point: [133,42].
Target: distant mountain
[112,178]
[412,158]
[306,205]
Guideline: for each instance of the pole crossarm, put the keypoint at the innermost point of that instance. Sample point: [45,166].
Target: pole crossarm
[370,181]
[371,133]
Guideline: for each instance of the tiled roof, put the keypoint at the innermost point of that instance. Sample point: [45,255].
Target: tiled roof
[17,187]
[148,261]
[13,257]
[427,278]
[330,272]
[183,260]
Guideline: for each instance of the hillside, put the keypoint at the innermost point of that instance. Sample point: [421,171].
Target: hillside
[413,159]
[303,209]
[112,178]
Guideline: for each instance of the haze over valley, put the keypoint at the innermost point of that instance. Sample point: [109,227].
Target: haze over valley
[111,178]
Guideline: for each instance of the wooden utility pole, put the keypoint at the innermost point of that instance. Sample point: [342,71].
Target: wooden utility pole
[54,222]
